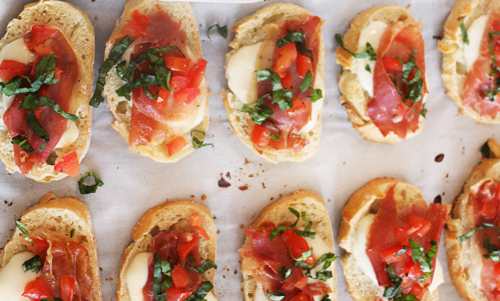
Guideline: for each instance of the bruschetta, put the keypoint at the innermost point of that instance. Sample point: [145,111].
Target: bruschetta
[172,256]
[288,252]
[383,82]
[275,74]
[46,68]
[472,231]
[153,78]
[391,238]
[471,61]
[52,254]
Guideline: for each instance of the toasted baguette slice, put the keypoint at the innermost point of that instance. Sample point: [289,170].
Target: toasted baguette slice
[167,217]
[252,30]
[459,254]
[62,216]
[452,46]
[79,32]
[122,108]
[353,97]
[278,213]
[365,201]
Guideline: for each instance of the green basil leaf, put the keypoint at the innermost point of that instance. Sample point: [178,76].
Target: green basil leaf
[222,30]
[406,297]
[485,150]
[33,101]
[34,264]
[326,298]
[367,68]
[37,128]
[423,259]
[316,94]
[113,58]
[303,256]
[274,136]
[157,275]
[425,276]
[204,289]
[278,230]
[165,268]
[165,285]
[307,230]
[44,70]
[23,230]
[307,82]
[84,189]
[256,110]
[402,251]
[205,266]
[368,53]
[72,233]
[465,37]
[468,235]
[199,143]
[268,74]
[284,98]
[292,37]
[284,273]
[322,274]
[276,296]
[395,290]
[164,75]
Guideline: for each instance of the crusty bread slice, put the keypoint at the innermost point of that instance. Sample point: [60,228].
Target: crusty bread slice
[459,254]
[62,216]
[166,217]
[350,88]
[365,201]
[452,46]
[252,30]
[79,32]
[122,108]
[278,213]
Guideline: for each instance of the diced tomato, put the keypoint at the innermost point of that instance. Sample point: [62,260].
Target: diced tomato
[69,165]
[496,27]
[197,73]
[178,82]
[392,64]
[401,236]
[9,69]
[197,223]
[260,136]
[415,289]
[489,208]
[304,63]
[297,108]
[39,246]
[286,56]
[183,248]
[136,28]
[67,286]
[302,296]
[415,221]
[176,145]
[179,276]
[287,82]
[297,245]
[37,290]
[415,271]
[177,64]
[176,294]
[186,96]
[404,36]
[390,254]
[57,73]
[161,101]
[41,33]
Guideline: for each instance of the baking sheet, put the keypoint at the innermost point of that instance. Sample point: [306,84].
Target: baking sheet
[344,163]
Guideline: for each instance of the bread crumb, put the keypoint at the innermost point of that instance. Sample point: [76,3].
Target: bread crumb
[203,197]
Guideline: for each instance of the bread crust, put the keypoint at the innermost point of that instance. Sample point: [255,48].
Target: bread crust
[350,88]
[61,215]
[163,217]
[300,200]
[458,224]
[249,31]
[365,201]
[79,32]
[452,45]
[121,108]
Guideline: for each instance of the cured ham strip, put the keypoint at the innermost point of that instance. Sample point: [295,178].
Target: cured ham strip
[479,79]
[386,109]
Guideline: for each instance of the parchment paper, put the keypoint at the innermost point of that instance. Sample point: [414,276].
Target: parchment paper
[344,163]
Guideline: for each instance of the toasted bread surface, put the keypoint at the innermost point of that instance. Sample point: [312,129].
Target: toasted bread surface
[79,32]
[351,90]
[166,217]
[252,30]
[278,213]
[61,216]
[365,201]
[122,108]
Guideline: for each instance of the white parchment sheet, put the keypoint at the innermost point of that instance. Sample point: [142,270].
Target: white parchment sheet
[344,163]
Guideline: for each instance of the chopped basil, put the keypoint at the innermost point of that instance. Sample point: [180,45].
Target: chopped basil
[35,100]
[326,298]
[402,251]
[367,68]
[37,128]
[299,38]
[85,189]
[222,30]
[34,264]
[205,266]
[274,136]
[284,273]
[495,68]
[465,37]
[307,231]
[157,275]
[395,290]
[316,94]
[199,143]
[277,230]
[493,252]
[202,291]
[72,233]
[23,230]
[419,255]
[276,296]
[425,276]
[322,274]
[307,82]
[368,53]
[113,58]
[257,112]
[486,151]
[468,235]
[303,256]
[406,297]
[283,97]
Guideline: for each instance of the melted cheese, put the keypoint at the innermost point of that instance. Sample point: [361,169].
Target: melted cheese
[319,83]
[475,34]
[136,275]
[437,278]
[126,55]
[210,297]
[259,294]
[319,248]
[474,266]
[240,70]
[359,247]
[13,279]
[69,135]
[370,34]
